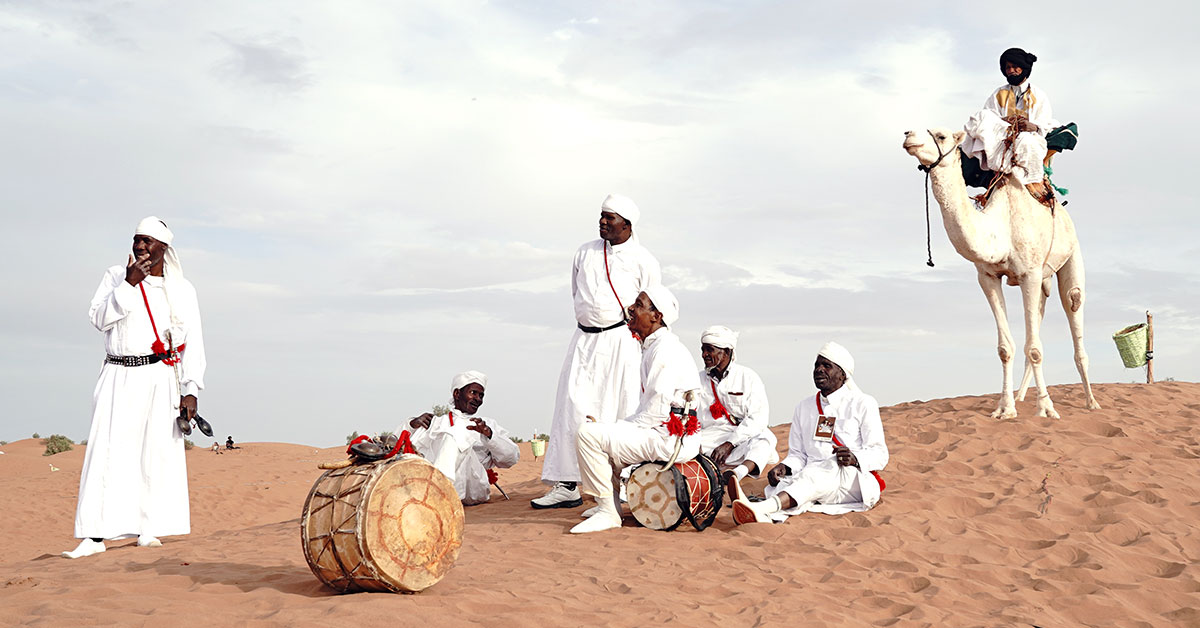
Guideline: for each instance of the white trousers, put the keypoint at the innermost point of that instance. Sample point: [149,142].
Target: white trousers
[601,377]
[824,483]
[605,449]
[759,449]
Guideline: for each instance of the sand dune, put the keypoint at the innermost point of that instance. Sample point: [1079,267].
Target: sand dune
[1087,520]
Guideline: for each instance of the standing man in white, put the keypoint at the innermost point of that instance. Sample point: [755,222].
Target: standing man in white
[601,374]
[134,479]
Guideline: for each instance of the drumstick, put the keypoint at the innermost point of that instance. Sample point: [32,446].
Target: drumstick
[340,464]
[501,490]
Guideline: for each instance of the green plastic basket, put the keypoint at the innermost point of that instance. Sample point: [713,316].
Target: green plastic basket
[1131,343]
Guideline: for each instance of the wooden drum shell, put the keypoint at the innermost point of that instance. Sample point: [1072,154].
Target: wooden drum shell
[393,525]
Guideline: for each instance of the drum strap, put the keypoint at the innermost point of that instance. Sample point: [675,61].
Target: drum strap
[837,441]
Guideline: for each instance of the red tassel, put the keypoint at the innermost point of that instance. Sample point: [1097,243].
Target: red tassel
[674,425]
[493,477]
[693,425]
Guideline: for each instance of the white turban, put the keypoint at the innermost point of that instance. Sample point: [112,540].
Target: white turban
[466,378]
[838,354]
[664,301]
[719,336]
[622,206]
[154,227]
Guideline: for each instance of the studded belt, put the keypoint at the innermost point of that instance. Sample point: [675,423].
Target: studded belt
[134,360]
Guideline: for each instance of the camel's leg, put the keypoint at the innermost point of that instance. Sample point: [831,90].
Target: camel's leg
[1070,291]
[1028,375]
[1031,295]
[993,289]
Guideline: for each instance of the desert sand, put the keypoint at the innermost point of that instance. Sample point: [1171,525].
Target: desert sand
[1089,520]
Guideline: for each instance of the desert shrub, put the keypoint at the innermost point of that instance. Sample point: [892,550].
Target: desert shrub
[4,442]
[545,437]
[516,439]
[353,435]
[83,442]
[188,444]
[439,410]
[36,435]
[57,444]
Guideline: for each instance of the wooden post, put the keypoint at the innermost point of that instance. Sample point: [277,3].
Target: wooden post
[1149,347]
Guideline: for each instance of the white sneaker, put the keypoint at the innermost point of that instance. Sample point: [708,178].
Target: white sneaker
[559,497]
[87,547]
[146,540]
[606,518]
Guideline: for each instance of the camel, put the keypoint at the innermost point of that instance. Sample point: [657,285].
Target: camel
[1017,238]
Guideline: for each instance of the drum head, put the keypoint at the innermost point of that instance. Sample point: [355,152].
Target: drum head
[412,526]
[652,497]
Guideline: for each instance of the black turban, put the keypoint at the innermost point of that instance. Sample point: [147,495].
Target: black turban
[1019,58]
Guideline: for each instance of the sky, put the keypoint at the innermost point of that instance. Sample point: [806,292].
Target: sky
[371,197]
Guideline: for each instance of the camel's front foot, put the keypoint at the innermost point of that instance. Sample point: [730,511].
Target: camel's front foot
[1046,408]
[1005,411]
[1092,404]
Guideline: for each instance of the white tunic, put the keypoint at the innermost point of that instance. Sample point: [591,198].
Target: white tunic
[464,455]
[134,478]
[600,374]
[668,371]
[986,131]
[816,476]
[745,398]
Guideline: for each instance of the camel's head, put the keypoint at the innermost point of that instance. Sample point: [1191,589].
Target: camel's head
[927,146]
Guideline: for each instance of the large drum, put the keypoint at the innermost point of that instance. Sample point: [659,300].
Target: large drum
[392,525]
[690,490]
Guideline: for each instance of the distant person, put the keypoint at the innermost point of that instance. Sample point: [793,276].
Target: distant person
[734,412]
[229,443]
[216,448]
[1018,106]
[464,447]
[134,477]
[834,473]
[600,375]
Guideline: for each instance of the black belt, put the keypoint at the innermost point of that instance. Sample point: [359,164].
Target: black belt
[135,360]
[596,330]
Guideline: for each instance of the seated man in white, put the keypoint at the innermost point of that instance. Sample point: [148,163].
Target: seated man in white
[829,471]
[461,445]
[734,411]
[668,371]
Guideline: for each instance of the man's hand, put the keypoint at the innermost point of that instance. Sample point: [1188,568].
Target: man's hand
[187,407]
[845,457]
[721,453]
[777,473]
[137,269]
[1025,126]
[477,425]
[422,421]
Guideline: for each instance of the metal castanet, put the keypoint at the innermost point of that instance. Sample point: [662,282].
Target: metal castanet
[392,525]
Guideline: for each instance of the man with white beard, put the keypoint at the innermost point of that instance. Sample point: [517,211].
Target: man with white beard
[734,412]
[464,447]
[600,376]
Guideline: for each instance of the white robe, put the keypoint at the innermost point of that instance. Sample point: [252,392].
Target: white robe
[745,398]
[464,455]
[817,483]
[667,371]
[600,373]
[986,131]
[134,477]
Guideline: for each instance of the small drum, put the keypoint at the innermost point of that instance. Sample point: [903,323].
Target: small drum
[392,525]
[662,500]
